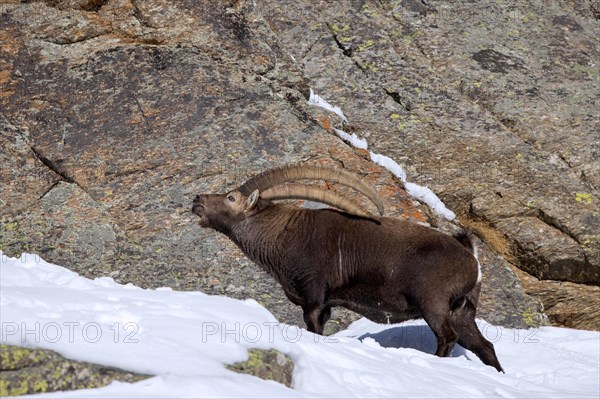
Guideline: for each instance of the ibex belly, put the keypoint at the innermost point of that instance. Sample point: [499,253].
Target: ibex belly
[377,306]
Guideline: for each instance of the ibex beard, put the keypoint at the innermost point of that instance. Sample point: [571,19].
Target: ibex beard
[386,269]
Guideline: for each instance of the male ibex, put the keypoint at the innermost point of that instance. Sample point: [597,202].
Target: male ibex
[386,269]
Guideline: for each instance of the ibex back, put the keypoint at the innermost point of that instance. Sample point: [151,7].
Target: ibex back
[386,269]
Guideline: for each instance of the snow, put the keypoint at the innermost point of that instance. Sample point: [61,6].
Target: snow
[424,194]
[390,165]
[353,139]
[315,99]
[421,193]
[185,338]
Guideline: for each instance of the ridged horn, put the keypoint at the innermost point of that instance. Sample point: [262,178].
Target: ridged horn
[290,173]
[311,193]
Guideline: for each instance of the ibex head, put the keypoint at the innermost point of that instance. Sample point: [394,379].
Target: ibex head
[223,211]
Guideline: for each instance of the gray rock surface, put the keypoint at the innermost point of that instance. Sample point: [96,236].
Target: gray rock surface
[115,117]
[33,371]
[266,364]
[114,114]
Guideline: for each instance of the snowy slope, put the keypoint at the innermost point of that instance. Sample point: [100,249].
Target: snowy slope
[184,338]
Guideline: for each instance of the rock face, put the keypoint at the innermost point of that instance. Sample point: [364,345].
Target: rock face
[115,113]
[30,371]
[268,365]
[115,116]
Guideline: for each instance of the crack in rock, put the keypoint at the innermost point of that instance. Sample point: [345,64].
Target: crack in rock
[49,189]
[398,99]
[347,51]
[66,42]
[52,165]
[56,168]
[141,109]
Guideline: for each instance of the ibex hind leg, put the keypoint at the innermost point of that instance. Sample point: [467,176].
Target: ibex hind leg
[324,316]
[469,336]
[437,316]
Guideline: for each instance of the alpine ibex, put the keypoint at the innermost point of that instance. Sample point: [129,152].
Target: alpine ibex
[386,269]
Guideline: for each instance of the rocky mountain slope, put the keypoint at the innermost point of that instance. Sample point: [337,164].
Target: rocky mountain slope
[114,114]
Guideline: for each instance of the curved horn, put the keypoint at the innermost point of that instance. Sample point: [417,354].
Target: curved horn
[291,173]
[310,193]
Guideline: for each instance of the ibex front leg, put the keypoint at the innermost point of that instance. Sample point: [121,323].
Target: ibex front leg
[315,316]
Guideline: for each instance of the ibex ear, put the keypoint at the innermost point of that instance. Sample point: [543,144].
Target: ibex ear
[252,200]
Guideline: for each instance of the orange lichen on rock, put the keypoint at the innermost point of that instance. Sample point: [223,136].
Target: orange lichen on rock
[9,47]
[362,153]
[415,214]
[325,122]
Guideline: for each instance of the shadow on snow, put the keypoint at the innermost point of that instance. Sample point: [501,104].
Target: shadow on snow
[419,337]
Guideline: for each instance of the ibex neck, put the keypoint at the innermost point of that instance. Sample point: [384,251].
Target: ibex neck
[263,237]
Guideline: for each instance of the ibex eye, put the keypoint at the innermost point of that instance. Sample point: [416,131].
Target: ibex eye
[231,198]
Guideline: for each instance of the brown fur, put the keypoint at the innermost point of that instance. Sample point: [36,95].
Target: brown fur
[386,269]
